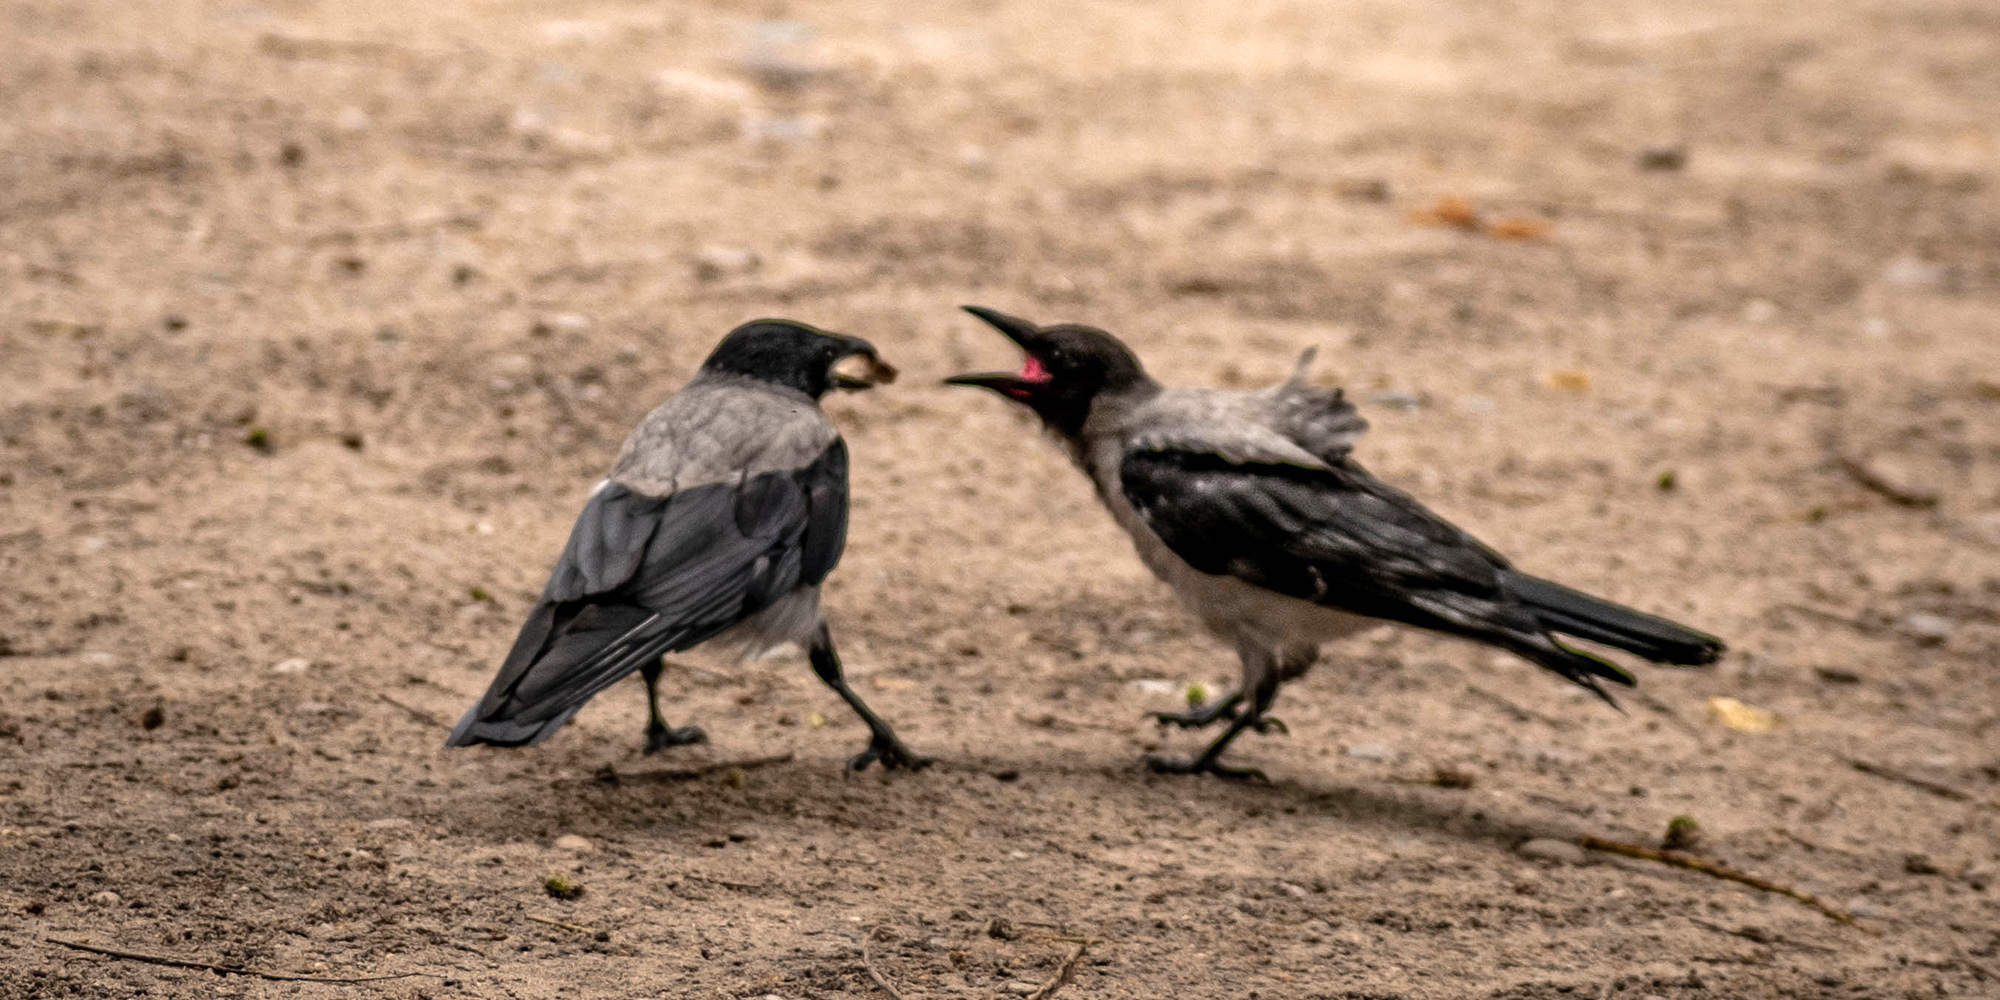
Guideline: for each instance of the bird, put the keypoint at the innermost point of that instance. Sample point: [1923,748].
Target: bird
[1253,509]
[723,513]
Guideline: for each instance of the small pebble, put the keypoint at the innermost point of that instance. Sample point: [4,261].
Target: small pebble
[711,263]
[574,844]
[388,823]
[1927,628]
[106,898]
[295,665]
[1913,272]
[1401,402]
[1549,849]
[1371,752]
[1023,989]
[1663,159]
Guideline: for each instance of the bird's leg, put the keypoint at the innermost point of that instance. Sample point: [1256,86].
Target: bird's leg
[1261,681]
[659,735]
[883,744]
[1201,716]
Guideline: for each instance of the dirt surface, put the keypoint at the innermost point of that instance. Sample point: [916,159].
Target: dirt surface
[318,320]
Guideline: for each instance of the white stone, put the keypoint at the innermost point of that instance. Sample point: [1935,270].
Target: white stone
[1549,849]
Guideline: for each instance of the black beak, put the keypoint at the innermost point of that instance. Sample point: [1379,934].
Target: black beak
[1008,384]
[1018,330]
[866,373]
[1005,383]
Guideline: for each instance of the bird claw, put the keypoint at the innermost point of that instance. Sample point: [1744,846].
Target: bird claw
[1203,765]
[890,753]
[659,738]
[1267,726]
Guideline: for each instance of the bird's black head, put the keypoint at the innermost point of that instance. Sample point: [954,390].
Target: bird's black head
[797,356]
[1068,367]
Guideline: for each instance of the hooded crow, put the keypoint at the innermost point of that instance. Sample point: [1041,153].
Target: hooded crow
[725,510]
[1252,508]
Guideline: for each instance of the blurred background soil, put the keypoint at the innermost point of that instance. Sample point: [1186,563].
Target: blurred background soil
[318,321]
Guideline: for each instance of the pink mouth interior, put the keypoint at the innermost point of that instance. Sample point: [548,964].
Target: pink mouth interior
[1032,371]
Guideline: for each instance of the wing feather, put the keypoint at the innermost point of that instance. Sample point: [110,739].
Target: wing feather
[678,569]
[1336,536]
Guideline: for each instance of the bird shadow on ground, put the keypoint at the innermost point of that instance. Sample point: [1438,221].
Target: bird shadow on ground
[690,797]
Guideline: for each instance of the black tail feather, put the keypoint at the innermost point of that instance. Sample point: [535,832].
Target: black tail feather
[1575,613]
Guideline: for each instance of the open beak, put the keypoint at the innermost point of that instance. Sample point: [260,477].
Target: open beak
[1019,386]
[862,370]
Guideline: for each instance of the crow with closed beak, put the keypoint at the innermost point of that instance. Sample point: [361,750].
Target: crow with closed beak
[1252,508]
[723,513]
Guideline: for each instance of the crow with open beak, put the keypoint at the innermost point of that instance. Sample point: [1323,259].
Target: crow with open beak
[724,511]
[1251,507]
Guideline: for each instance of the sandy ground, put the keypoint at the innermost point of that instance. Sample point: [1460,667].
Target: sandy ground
[318,320]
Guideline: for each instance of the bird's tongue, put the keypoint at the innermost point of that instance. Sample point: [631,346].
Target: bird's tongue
[1032,371]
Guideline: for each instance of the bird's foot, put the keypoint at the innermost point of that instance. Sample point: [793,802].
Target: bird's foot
[1204,765]
[1266,725]
[890,752]
[1198,717]
[659,737]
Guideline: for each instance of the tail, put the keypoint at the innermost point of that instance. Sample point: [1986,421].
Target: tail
[473,730]
[566,654]
[1572,612]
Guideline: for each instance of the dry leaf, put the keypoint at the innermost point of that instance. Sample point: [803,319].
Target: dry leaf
[1569,380]
[1741,717]
[1518,229]
[1449,211]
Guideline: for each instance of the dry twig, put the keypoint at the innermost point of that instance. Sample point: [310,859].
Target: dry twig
[565,925]
[396,230]
[725,883]
[1695,864]
[1759,936]
[1938,789]
[413,711]
[1520,714]
[225,970]
[1666,711]
[868,963]
[1050,720]
[704,770]
[1973,965]
[1063,971]
[1902,496]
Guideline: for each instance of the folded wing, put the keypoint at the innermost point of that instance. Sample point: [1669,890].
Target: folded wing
[1336,536]
[646,575]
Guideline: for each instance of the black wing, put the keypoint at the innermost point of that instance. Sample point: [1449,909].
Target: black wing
[1339,537]
[646,575]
